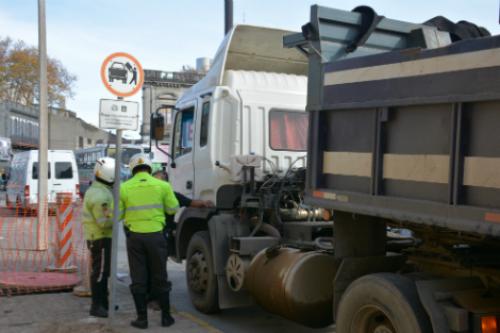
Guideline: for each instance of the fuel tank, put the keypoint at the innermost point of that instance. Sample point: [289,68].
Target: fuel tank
[294,284]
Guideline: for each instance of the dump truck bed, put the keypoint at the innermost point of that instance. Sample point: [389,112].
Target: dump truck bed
[411,135]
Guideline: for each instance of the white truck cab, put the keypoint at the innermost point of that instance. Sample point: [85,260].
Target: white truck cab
[251,103]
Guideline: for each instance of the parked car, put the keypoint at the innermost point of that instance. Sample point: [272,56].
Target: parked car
[117,71]
[22,186]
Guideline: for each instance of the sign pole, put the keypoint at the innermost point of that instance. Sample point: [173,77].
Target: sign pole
[116,224]
[123,76]
[43,145]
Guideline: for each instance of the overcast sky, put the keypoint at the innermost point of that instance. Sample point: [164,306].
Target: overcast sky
[167,34]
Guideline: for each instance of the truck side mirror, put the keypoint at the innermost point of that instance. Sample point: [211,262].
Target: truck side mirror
[157,126]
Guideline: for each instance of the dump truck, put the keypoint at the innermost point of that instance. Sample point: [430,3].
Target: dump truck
[355,175]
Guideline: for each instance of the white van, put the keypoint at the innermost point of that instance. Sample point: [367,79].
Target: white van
[22,186]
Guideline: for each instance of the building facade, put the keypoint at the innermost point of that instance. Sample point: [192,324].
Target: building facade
[160,92]
[66,131]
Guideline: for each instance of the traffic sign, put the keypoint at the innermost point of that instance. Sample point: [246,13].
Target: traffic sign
[122,74]
[118,114]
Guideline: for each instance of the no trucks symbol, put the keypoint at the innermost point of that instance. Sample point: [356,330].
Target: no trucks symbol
[122,74]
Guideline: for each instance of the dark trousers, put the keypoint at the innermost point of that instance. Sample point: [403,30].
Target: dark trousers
[147,259]
[100,252]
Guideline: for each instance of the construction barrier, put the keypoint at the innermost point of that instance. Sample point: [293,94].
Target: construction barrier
[23,267]
[64,247]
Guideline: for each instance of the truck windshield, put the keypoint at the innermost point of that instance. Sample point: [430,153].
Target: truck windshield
[288,130]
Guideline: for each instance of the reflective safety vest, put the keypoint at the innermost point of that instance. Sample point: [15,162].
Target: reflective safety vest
[144,200]
[97,215]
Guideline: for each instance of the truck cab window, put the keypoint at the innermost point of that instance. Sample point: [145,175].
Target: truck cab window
[205,116]
[288,130]
[183,132]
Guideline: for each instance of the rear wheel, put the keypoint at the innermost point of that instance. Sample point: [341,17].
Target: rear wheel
[382,303]
[200,274]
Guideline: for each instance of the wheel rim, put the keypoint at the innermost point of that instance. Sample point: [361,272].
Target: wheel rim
[372,319]
[198,273]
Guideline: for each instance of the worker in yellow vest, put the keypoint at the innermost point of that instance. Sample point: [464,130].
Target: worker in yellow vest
[98,228]
[144,200]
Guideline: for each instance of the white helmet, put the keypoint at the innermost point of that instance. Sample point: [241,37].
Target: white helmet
[105,169]
[140,159]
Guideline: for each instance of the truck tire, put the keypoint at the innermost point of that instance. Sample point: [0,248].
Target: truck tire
[382,302]
[200,274]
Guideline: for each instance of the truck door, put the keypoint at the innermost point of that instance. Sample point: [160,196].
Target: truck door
[204,166]
[182,175]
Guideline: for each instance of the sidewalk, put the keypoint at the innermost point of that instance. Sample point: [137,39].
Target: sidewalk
[64,312]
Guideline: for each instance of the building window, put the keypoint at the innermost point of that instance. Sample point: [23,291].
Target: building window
[89,141]
[80,142]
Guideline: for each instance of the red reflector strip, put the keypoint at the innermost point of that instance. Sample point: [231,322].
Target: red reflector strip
[489,324]
[492,217]
[318,194]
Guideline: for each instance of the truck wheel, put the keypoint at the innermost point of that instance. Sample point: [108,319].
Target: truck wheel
[382,303]
[200,274]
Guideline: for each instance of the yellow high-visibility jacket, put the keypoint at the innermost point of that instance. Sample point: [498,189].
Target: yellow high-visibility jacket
[144,200]
[97,215]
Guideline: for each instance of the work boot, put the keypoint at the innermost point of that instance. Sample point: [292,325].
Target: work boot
[166,317]
[141,307]
[104,293]
[97,309]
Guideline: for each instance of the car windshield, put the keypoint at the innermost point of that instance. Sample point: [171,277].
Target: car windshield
[118,65]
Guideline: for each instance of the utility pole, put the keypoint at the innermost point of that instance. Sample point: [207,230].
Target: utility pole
[43,144]
[228,16]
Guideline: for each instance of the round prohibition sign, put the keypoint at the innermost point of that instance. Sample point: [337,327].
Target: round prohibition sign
[122,74]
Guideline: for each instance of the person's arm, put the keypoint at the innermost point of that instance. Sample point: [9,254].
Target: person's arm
[201,204]
[183,200]
[170,202]
[122,204]
[187,202]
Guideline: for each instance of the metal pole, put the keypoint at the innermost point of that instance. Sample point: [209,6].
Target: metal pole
[228,16]
[42,241]
[116,224]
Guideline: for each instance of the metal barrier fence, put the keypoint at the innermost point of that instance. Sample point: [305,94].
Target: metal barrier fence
[24,268]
